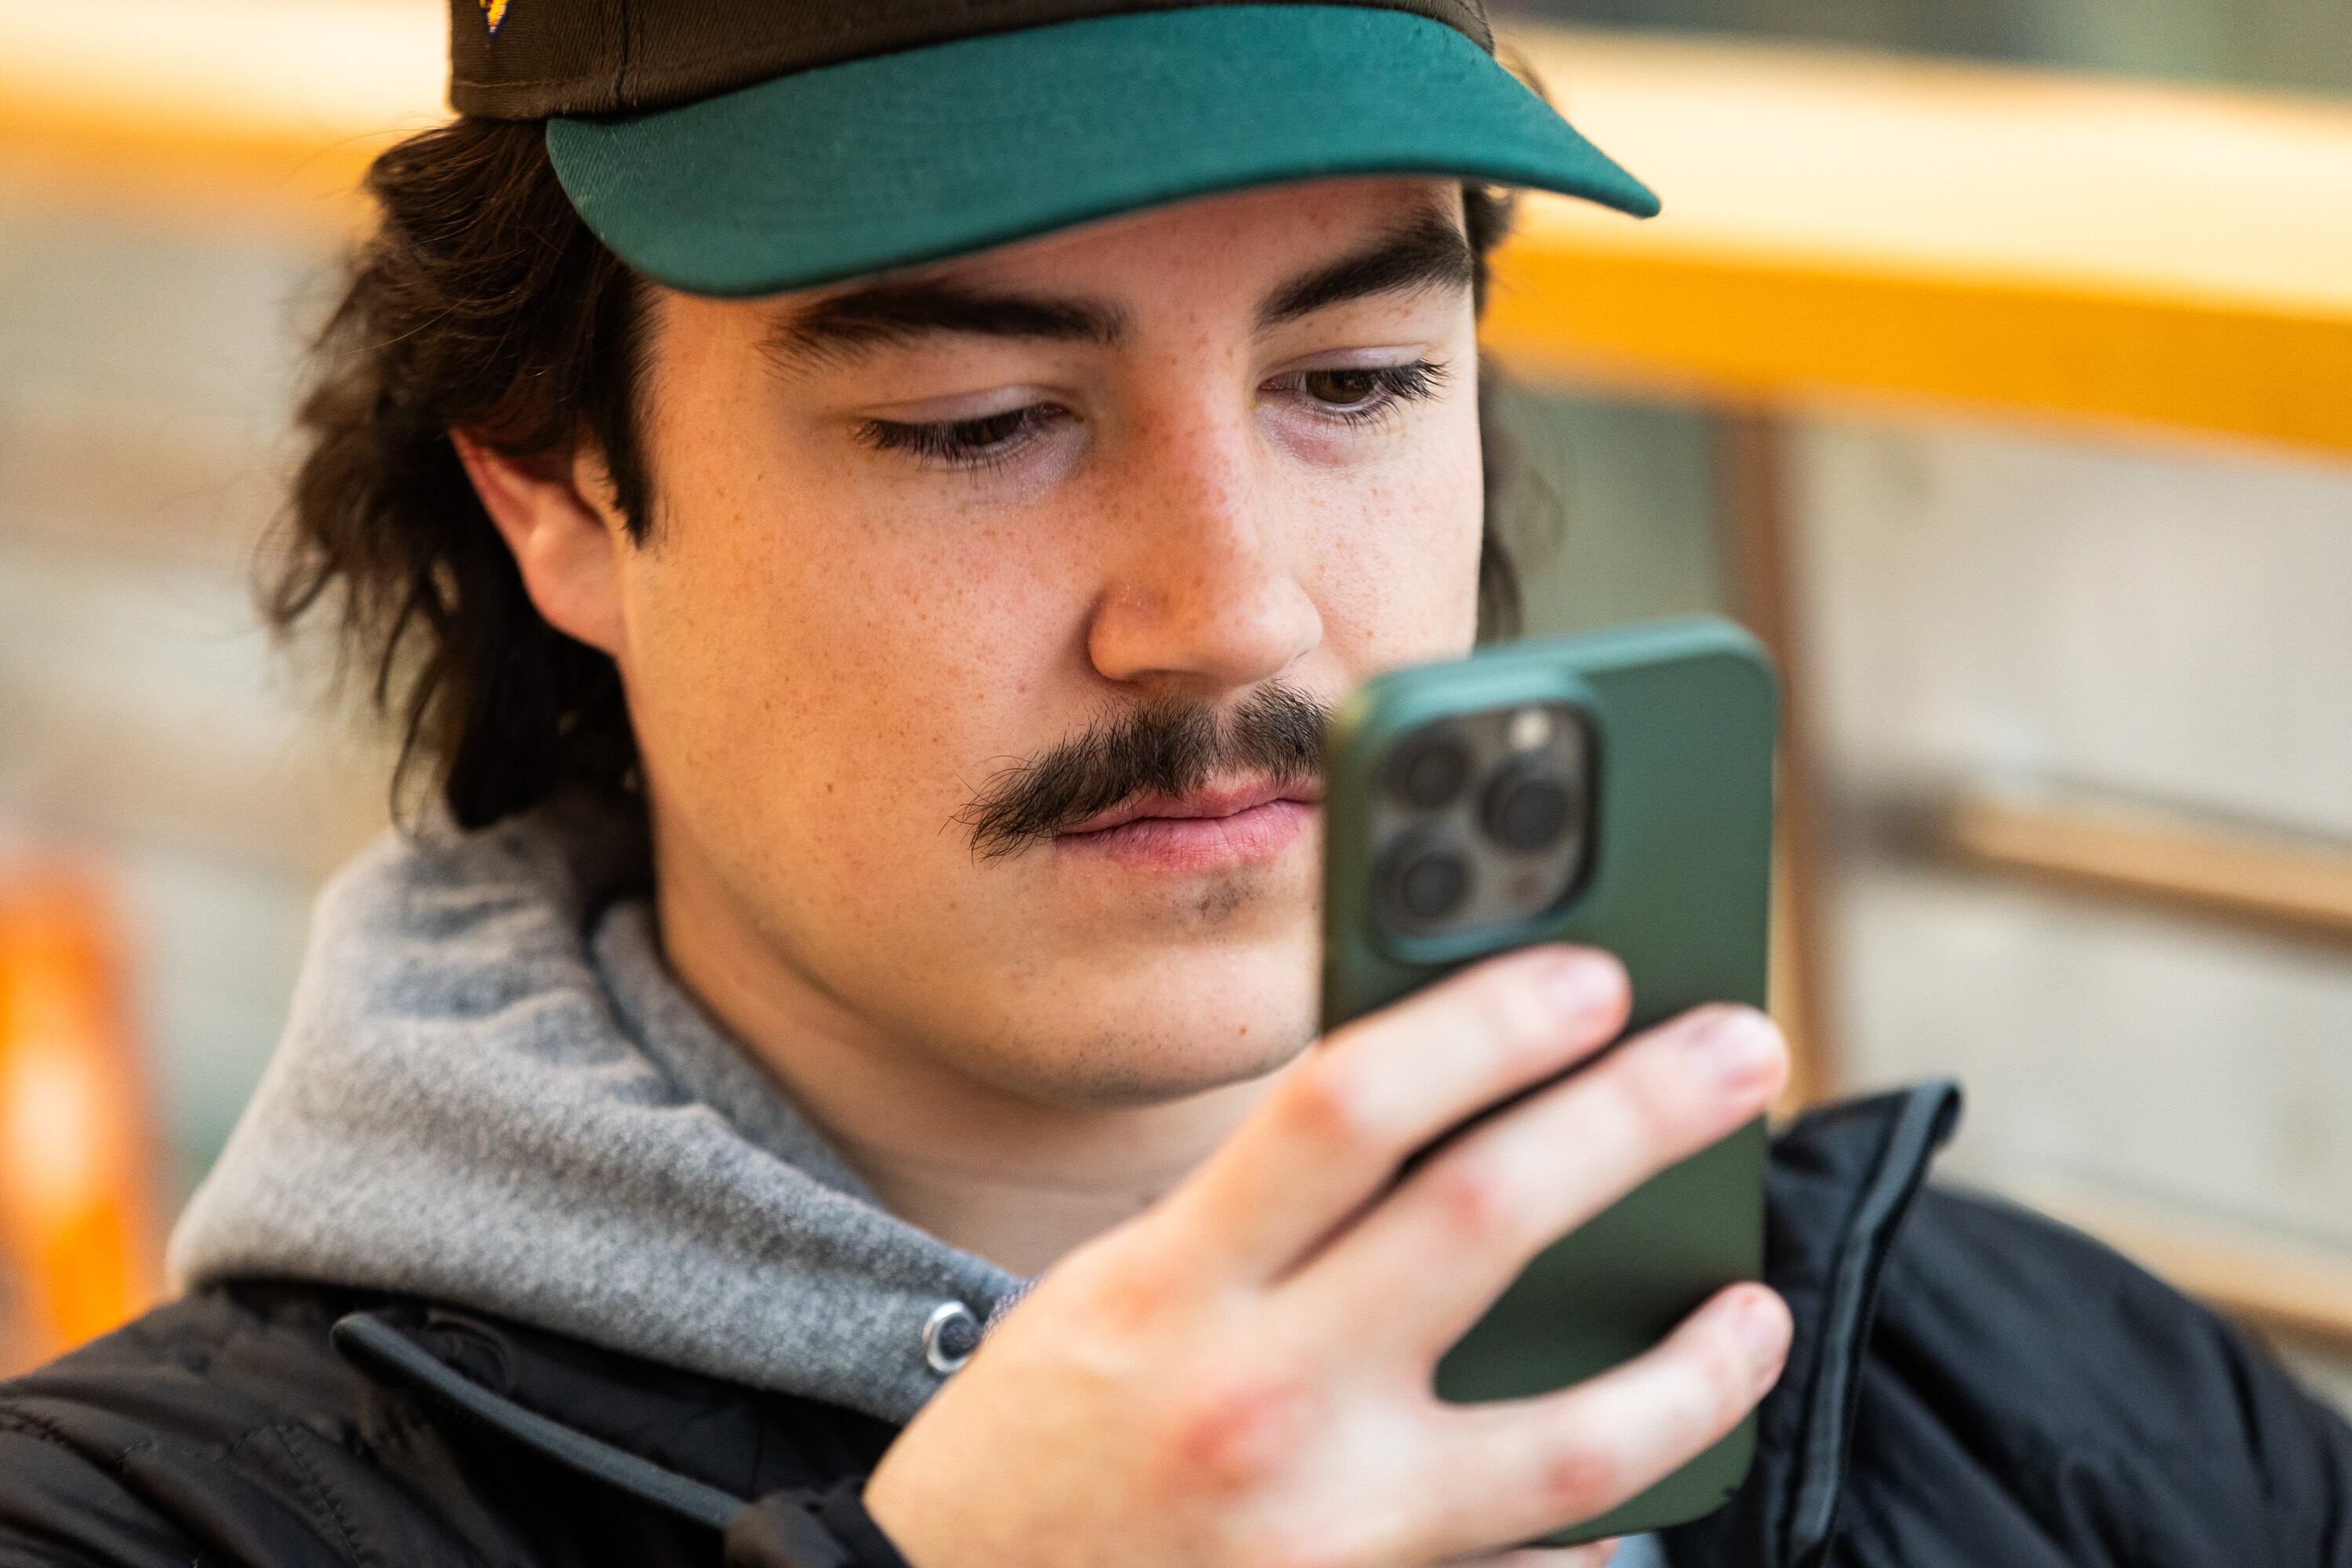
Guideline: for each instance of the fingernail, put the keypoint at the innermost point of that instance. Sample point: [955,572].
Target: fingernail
[1739,1045]
[1762,1325]
[1583,982]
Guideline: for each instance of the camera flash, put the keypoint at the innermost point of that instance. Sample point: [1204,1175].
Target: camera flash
[1530,730]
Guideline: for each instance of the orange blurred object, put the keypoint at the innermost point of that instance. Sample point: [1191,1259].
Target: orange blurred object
[78,1239]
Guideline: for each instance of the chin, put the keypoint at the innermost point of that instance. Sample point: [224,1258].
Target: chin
[1094,992]
[1128,1039]
[1125,1074]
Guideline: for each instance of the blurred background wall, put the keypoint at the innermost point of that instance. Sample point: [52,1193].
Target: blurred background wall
[2296,44]
[2074,694]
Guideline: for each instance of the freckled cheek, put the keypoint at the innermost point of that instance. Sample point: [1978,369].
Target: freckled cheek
[839,685]
[1395,567]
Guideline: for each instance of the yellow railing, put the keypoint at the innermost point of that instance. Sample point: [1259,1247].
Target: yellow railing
[1844,227]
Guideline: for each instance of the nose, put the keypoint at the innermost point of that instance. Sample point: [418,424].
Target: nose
[1204,596]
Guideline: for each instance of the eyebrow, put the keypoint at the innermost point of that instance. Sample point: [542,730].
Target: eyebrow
[1425,252]
[887,315]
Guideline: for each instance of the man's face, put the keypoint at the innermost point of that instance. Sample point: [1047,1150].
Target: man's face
[956,572]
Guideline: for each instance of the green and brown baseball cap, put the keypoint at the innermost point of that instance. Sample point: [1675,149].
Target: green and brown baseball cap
[743,147]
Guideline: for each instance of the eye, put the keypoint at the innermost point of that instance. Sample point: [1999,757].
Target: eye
[1351,394]
[965,443]
[1341,388]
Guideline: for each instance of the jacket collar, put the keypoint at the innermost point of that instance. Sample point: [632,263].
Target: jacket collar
[1841,1180]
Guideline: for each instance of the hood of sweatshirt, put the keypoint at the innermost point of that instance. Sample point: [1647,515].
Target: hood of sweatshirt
[491,1093]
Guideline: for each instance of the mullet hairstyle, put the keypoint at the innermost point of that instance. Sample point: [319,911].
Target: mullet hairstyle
[482,303]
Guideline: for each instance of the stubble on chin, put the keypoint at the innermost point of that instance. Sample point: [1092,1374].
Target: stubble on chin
[1116,1071]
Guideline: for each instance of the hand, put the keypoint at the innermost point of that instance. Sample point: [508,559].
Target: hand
[1241,1376]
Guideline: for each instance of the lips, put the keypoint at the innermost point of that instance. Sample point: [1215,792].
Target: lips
[1202,830]
[1230,801]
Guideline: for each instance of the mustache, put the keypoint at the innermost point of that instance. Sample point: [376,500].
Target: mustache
[1160,748]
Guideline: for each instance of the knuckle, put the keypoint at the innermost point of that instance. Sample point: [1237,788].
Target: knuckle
[1659,1098]
[1515,1023]
[1581,1482]
[1616,1128]
[1613,994]
[1523,1022]
[1328,1105]
[1237,1434]
[1129,1289]
[1749,1020]
[1720,1384]
[1476,1198]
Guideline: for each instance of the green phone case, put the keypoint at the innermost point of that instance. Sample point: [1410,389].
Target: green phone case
[1682,717]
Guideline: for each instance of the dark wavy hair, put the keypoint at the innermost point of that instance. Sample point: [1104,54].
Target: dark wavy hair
[482,303]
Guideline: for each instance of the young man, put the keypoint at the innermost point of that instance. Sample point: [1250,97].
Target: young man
[866,610]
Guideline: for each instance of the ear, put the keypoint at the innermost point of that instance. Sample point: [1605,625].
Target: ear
[567,545]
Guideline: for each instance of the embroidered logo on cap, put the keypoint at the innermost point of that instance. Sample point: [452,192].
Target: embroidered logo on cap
[496,11]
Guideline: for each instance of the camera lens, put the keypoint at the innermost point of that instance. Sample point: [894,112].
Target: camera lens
[1425,881]
[1526,808]
[1430,769]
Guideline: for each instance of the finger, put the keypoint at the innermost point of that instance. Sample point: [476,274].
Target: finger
[1334,1131]
[1524,1468]
[1417,1271]
[1596,1555]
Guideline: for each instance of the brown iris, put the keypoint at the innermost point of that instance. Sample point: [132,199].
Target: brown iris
[1340,388]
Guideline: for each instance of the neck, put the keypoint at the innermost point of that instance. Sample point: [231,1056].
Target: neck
[1010,1178]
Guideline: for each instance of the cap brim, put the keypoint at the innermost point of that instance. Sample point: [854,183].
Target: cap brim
[937,152]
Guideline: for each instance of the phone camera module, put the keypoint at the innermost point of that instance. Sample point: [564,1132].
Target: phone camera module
[1425,881]
[1429,770]
[1527,808]
[1479,821]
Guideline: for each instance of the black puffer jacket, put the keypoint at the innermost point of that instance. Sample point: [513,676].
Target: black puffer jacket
[1971,1387]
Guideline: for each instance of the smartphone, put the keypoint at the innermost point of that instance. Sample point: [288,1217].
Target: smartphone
[1615,791]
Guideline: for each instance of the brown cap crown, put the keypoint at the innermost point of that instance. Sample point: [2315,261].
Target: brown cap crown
[527,60]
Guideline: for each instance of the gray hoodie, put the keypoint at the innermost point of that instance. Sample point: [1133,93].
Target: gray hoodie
[491,1093]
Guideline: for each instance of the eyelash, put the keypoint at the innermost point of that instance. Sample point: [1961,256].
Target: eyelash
[982,443]
[996,438]
[1392,385]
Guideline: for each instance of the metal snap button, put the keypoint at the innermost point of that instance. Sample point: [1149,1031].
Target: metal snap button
[949,1337]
